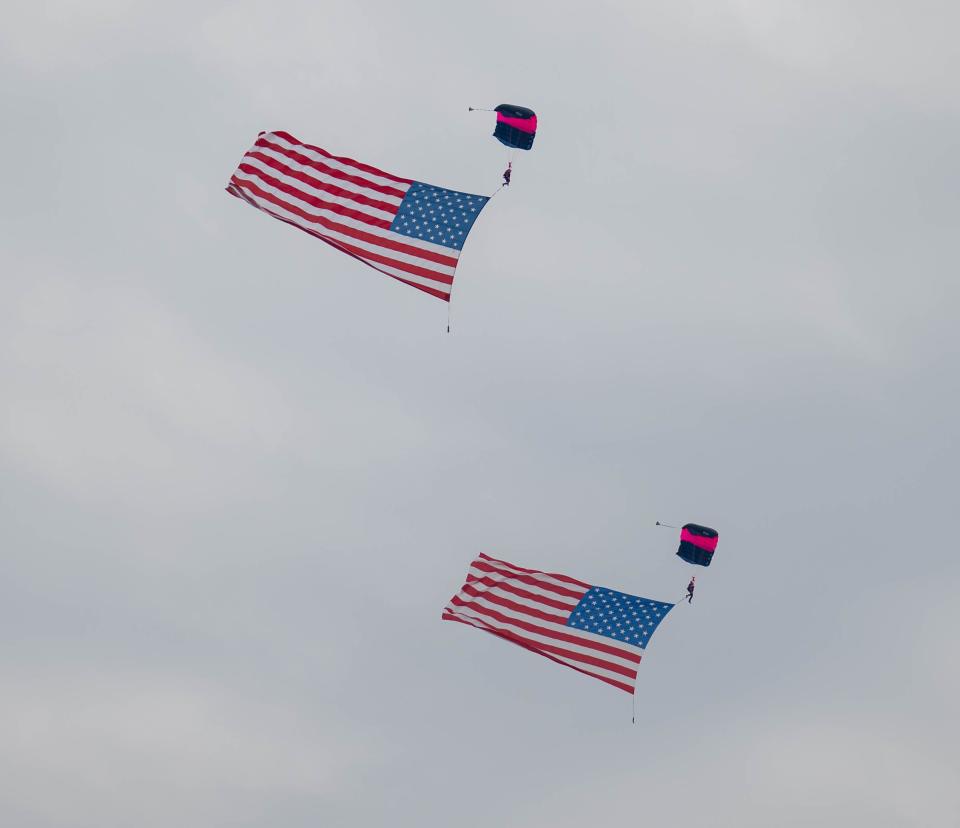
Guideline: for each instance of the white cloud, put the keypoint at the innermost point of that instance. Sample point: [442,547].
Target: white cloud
[112,397]
[59,35]
[721,287]
[102,748]
[867,43]
[791,770]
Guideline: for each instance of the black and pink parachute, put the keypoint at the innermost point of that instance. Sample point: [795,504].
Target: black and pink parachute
[516,126]
[697,544]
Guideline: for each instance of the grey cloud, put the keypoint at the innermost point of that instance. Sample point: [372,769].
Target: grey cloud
[240,474]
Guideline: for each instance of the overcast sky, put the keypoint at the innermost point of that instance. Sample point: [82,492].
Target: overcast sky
[241,474]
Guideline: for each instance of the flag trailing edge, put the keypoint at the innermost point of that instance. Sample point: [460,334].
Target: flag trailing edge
[594,630]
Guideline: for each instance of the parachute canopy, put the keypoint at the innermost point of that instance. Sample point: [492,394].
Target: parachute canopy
[516,126]
[697,544]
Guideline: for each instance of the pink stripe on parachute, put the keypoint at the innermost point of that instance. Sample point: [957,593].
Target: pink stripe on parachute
[710,544]
[523,124]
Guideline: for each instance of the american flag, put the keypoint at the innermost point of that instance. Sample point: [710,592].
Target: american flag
[411,231]
[598,631]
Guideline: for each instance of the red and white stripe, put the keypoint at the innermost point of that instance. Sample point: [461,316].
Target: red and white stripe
[347,204]
[531,608]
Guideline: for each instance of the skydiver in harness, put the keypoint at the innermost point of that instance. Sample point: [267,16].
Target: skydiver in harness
[690,588]
[506,174]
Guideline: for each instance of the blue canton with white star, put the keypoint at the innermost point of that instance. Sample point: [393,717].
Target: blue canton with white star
[617,615]
[437,215]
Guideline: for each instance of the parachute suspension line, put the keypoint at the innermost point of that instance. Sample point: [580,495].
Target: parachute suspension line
[479,109]
[633,696]
[449,312]
[669,526]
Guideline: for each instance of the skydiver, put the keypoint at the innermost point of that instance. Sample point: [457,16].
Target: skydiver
[690,588]
[506,174]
